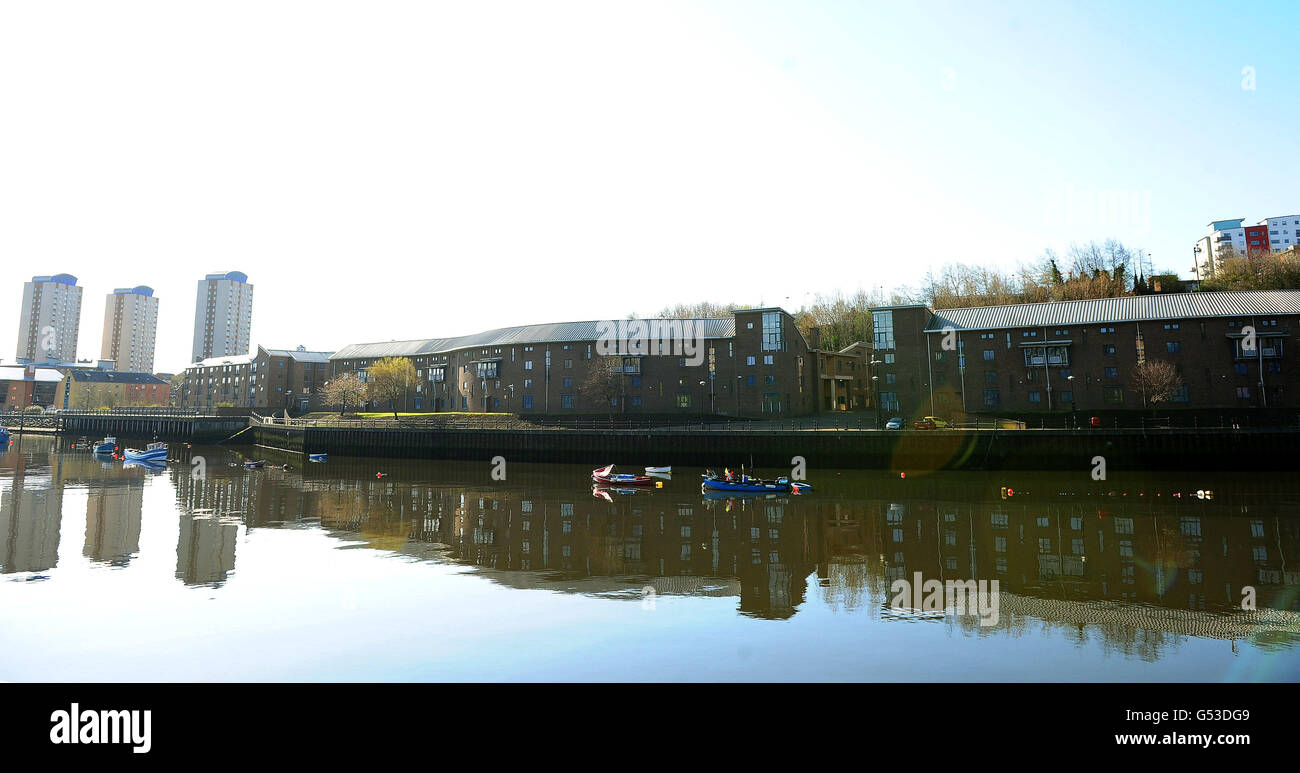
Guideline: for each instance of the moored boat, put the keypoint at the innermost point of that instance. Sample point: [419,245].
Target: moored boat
[154,452]
[659,470]
[317,457]
[607,475]
[744,483]
[106,446]
[257,465]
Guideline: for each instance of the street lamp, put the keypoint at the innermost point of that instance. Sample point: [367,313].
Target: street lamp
[702,383]
[875,388]
[1074,402]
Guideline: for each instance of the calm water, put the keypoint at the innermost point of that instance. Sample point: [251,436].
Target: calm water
[437,571]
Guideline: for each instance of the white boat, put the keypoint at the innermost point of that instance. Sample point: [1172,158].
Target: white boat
[661,470]
[154,452]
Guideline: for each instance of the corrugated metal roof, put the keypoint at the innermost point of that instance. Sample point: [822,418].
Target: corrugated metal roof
[19,373]
[527,334]
[1134,308]
[114,377]
[212,362]
[300,356]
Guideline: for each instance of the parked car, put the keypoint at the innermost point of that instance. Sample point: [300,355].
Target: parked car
[894,423]
[931,422]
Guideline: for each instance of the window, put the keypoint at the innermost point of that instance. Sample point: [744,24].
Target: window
[567,383]
[882,324]
[1113,394]
[1107,330]
[566,401]
[749,360]
[1112,372]
[889,401]
[528,383]
[889,358]
[489,369]
[992,397]
[528,402]
[636,381]
[528,364]
[988,354]
[1243,393]
[772,338]
[891,378]
[767,359]
[1108,350]
[1180,394]
[1239,368]
[1067,396]
[751,380]
[684,399]
[568,364]
[1173,347]
[990,377]
[1035,397]
[636,401]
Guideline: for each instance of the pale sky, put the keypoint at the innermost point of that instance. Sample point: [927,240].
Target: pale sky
[404,170]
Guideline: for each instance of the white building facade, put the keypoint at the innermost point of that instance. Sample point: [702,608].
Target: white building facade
[50,319]
[223,316]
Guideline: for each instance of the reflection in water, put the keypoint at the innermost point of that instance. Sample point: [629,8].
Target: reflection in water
[1135,566]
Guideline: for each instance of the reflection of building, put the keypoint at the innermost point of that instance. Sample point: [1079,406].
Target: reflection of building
[113,517]
[205,553]
[30,511]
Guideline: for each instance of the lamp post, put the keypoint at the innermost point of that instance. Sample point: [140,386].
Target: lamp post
[738,380]
[702,383]
[875,388]
[1074,402]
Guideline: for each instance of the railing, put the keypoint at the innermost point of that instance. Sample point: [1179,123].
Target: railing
[819,423]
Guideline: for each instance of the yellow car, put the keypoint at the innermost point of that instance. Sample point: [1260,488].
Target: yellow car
[931,422]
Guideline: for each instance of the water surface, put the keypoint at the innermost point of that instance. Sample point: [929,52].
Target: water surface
[436,571]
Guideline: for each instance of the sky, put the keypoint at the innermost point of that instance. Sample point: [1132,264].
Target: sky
[423,169]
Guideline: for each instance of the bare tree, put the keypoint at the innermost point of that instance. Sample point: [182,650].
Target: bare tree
[344,391]
[604,381]
[1156,381]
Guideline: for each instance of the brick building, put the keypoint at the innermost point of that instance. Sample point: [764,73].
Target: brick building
[91,389]
[25,385]
[755,363]
[1061,356]
[269,380]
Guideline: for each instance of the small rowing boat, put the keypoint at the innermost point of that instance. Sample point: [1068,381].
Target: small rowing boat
[607,476]
[317,457]
[106,446]
[257,465]
[659,470]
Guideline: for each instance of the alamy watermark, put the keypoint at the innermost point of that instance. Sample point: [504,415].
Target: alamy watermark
[95,727]
[958,597]
[651,337]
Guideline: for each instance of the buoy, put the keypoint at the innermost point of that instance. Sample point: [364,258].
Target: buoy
[902,475]
[379,475]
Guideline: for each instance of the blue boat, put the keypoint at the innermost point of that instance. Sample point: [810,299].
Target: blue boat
[317,457]
[106,446]
[4,435]
[743,483]
[257,465]
[154,452]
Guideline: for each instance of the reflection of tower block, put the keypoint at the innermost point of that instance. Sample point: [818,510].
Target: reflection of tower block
[29,526]
[113,523]
[206,550]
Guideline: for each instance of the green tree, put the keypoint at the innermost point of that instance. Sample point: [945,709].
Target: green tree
[391,379]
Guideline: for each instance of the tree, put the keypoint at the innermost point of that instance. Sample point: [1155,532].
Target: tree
[1156,381]
[604,381]
[701,310]
[343,391]
[391,379]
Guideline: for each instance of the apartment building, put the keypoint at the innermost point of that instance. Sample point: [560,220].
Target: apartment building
[223,316]
[130,329]
[26,385]
[1233,237]
[89,389]
[49,319]
[755,364]
[270,380]
[1082,355]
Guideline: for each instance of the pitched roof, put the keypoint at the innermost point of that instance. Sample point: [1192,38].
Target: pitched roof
[1132,308]
[525,334]
[19,373]
[230,359]
[300,355]
[114,377]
